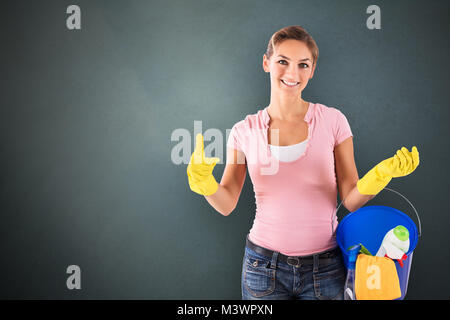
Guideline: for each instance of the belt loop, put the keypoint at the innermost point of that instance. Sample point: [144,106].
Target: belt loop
[273,263]
[316,263]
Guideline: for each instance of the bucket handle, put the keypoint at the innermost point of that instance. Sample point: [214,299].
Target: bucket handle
[417,215]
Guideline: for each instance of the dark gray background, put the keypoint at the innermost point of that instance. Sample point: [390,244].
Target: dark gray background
[87,116]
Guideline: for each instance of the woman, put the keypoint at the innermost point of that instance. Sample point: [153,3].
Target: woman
[296,170]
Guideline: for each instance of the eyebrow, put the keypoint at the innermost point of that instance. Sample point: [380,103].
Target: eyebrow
[280,55]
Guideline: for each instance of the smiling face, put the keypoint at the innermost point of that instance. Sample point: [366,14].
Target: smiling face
[290,66]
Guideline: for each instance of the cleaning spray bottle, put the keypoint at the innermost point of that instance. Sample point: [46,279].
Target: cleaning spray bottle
[395,244]
[349,287]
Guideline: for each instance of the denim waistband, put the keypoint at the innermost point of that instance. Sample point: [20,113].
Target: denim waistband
[293,260]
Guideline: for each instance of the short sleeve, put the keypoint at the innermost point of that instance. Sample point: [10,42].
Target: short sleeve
[342,129]
[234,140]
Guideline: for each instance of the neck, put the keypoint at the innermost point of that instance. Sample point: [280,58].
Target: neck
[287,108]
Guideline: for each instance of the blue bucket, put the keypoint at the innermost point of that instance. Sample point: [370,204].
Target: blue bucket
[368,226]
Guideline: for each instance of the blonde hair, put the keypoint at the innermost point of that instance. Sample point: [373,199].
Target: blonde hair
[296,33]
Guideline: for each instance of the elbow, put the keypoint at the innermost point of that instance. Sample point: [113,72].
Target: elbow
[351,208]
[223,212]
[227,212]
[348,205]
[353,204]
[355,200]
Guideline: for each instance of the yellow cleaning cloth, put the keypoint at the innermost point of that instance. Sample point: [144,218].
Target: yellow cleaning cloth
[376,278]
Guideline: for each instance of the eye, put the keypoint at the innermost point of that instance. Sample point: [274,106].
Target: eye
[304,65]
[282,61]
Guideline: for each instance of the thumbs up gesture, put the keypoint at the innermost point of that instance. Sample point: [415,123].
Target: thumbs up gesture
[200,169]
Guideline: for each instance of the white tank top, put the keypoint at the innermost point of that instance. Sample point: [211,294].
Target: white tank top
[288,153]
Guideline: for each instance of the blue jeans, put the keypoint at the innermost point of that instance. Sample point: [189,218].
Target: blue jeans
[265,278]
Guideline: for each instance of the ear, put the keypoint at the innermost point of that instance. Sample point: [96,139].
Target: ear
[266,63]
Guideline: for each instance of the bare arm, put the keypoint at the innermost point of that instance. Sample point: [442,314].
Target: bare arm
[225,199]
[347,176]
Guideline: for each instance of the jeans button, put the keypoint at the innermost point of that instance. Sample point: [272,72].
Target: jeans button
[255,264]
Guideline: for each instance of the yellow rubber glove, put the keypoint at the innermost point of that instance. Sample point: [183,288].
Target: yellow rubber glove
[200,169]
[401,164]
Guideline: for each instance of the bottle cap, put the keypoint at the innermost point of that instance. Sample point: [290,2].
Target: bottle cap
[401,233]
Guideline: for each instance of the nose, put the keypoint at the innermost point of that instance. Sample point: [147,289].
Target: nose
[292,73]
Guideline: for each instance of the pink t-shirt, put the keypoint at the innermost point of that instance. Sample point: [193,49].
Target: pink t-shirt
[295,200]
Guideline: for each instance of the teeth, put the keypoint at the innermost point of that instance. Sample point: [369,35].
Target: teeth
[290,83]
